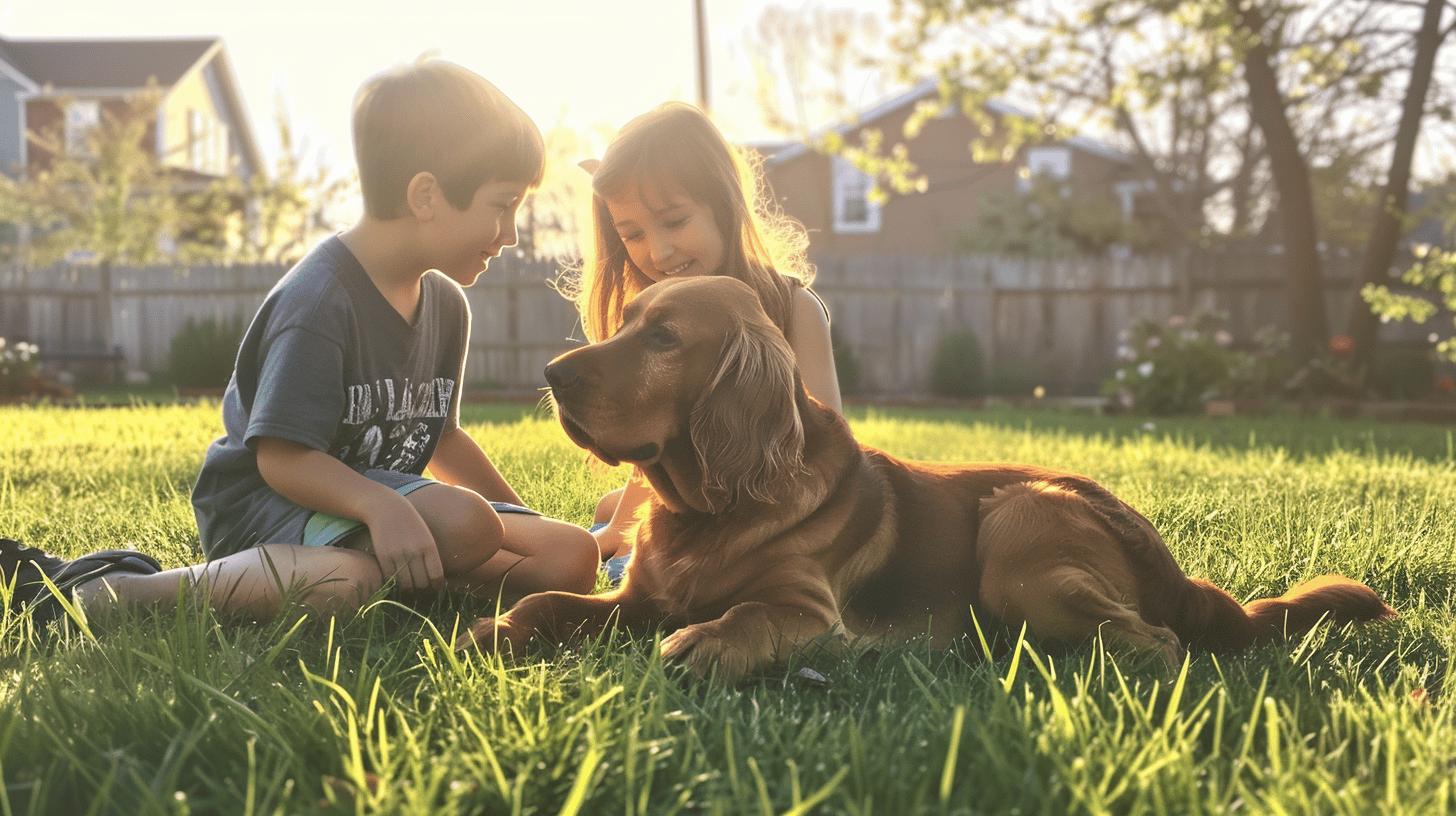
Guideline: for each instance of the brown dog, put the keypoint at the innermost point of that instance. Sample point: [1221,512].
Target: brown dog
[771,526]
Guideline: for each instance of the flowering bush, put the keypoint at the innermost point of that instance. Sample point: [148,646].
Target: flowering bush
[17,367]
[1173,366]
[1177,365]
[1332,373]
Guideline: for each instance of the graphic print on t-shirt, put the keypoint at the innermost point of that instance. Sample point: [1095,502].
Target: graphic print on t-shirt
[382,424]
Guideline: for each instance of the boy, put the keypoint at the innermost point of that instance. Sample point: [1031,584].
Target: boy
[348,384]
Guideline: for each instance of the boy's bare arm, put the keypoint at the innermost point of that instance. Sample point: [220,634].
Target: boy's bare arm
[310,478]
[459,461]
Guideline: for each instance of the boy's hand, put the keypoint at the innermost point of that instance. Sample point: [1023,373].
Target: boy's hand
[404,547]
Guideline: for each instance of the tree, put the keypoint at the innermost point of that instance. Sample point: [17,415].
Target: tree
[810,67]
[288,207]
[1390,210]
[551,219]
[1216,100]
[271,217]
[110,200]
[108,197]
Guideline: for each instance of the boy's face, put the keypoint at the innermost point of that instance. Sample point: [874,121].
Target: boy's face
[464,241]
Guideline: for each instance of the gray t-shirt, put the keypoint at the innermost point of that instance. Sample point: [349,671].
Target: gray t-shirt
[328,363]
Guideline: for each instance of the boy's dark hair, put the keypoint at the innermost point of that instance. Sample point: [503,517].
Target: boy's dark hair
[437,117]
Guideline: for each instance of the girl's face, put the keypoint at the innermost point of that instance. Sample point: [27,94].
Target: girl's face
[667,234]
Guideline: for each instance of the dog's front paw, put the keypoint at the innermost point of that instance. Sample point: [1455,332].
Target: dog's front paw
[702,651]
[490,635]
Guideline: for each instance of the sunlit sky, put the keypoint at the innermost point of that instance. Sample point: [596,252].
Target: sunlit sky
[580,63]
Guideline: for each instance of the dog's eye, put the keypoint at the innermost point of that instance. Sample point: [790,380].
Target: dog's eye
[662,337]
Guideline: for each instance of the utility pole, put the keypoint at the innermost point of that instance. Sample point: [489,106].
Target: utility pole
[700,24]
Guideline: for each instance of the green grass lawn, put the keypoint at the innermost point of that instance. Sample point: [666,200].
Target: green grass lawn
[171,711]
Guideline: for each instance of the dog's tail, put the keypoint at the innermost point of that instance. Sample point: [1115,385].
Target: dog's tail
[1204,616]
[1210,619]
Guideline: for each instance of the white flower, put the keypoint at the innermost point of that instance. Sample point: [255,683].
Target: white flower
[1223,338]
[1154,341]
[1125,353]
[2,344]
[1146,369]
[1121,374]
[1433,337]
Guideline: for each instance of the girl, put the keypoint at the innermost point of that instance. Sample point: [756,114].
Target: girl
[671,198]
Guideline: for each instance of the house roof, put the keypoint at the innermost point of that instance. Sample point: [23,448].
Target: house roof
[777,153]
[64,64]
[56,67]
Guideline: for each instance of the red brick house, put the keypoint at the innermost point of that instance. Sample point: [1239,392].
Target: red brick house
[830,196]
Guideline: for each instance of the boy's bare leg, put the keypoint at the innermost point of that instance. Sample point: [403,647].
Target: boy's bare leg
[338,579]
[252,583]
[538,554]
[335,579]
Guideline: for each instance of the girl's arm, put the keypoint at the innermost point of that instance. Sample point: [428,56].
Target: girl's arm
[809,337]
[459,461]
[612,538]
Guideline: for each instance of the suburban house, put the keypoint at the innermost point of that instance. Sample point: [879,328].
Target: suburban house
[831,197]
[201,131]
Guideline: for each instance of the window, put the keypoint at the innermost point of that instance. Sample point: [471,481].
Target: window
[853,209]
[82,117]
[194,139]
[207,143]
[1050,162]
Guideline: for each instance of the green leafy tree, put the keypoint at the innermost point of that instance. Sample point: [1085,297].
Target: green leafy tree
[108,197]
[1435,272]
[272,217]
[1225,105]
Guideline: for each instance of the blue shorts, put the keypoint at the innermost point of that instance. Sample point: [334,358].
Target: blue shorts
[324,530]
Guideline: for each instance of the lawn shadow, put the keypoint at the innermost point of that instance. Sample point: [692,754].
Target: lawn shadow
[1299,436]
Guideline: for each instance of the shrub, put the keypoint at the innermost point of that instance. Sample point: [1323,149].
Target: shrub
[846,363]
[957,369]
[1015,376]
[17,367]
[204,352]
[1173,366]
[1403,372]
[1260,372]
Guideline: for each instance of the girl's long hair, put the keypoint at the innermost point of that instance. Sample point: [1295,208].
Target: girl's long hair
[676,147]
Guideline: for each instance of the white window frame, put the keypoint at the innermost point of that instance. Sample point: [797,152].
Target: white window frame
[194,139]
[851,187]
[82,117]
[1054,162]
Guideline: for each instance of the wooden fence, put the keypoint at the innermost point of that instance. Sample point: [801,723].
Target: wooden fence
[1042,322]
[1051,323]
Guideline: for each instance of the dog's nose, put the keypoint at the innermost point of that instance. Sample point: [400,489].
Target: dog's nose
[563,375]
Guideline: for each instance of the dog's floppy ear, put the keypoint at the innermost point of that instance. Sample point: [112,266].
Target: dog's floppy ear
[745,428]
